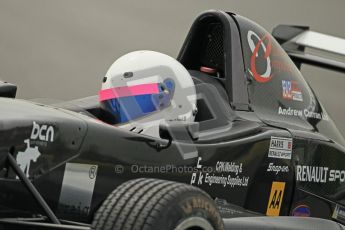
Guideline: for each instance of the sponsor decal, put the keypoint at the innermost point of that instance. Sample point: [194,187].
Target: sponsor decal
[226,180]
[339,213]
[311,174]
[230,167]
[265,55]
[25,158]
[317,174]
[336,175]
[77,189]
[42,134]
[280,147]
[302,113]
[227,174]
[256,43]
[194,175]
[291,91]
[277,168]
[276,198]
[301,211]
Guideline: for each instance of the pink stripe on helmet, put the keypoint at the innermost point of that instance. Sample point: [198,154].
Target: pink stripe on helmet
[126,91]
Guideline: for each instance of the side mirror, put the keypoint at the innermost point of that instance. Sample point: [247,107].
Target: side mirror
[179,130]
[7,90]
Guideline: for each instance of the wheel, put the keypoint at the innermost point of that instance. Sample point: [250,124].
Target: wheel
[150,204]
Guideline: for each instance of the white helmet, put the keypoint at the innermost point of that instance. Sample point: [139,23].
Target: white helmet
[144,88]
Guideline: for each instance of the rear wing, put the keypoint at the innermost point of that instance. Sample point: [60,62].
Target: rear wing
[328,51]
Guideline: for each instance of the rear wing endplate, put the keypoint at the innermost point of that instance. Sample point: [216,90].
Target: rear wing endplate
[295,39]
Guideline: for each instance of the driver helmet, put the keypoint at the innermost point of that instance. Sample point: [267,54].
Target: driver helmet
[144,88]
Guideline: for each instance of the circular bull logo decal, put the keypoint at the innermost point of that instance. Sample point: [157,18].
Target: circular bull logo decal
[256,44]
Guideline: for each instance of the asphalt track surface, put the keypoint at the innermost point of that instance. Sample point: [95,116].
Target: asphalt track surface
[62,49]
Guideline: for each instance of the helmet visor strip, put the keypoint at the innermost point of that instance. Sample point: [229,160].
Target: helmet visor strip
[128,103]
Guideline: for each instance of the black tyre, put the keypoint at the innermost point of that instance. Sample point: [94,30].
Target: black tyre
[149,204]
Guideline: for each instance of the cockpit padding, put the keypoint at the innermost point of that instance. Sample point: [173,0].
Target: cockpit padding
[213,110]
[199,77]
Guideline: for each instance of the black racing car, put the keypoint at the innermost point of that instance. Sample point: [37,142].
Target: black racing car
[261,145]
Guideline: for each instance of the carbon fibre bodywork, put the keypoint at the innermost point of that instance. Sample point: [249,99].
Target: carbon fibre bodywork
[265,145]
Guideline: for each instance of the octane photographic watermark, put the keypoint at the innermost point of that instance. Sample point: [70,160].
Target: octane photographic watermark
[142,169]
